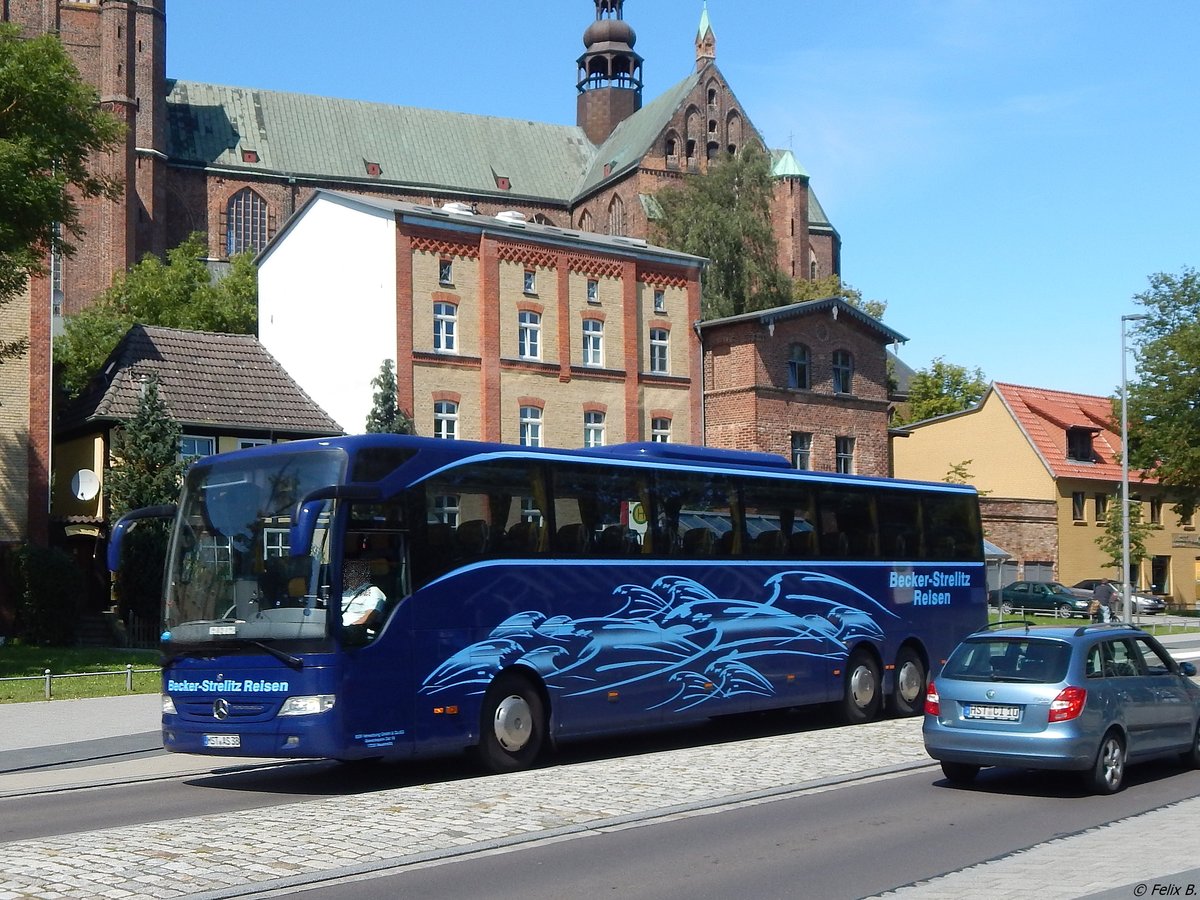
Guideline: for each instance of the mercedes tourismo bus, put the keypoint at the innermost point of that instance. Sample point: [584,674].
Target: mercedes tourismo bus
[387,596]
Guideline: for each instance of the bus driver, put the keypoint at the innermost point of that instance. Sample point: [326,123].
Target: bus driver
[362,602]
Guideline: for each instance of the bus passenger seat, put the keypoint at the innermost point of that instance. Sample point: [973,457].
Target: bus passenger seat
[801,544]
[523,537]
[698,542]
[572,539]
[615,541]
[473,537]
[769,543]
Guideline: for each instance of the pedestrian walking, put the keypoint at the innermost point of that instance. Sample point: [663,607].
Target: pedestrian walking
[1104,602]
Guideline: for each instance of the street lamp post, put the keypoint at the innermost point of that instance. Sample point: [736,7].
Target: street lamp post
[1125,591]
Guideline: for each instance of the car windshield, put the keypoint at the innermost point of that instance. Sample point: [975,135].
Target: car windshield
[231,577]
[1009,659]
[1056,588]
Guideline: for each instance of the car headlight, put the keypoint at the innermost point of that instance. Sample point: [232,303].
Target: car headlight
[307,706]
[168,705]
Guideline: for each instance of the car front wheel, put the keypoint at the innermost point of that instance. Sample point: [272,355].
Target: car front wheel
[1108,772]
[1066,611]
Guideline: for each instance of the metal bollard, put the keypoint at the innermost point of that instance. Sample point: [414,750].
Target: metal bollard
[129,678]
[47,673]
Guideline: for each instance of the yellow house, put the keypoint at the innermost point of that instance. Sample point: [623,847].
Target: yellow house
[225,391]
[1048,464]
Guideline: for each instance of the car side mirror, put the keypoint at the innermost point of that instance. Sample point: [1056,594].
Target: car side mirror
[1188,669]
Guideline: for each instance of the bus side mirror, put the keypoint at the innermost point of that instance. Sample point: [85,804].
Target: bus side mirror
[312,505]
[116,540]
[304,526]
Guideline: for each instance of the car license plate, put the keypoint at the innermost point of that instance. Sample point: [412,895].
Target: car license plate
[222,740]
[993,713]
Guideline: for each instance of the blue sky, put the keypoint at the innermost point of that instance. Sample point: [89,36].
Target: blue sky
[1006,174]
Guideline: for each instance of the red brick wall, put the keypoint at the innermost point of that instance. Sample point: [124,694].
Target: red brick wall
[748,406]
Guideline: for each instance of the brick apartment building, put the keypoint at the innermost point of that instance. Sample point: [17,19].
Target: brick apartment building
[501,329]
[807,381]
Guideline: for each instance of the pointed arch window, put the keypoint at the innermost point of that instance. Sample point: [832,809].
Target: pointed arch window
[585,221]
[616,216]
[245,223]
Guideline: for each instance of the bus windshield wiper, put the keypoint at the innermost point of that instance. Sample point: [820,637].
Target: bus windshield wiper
[294,661]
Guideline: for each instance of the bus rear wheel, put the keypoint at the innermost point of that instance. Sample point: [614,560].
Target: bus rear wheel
[911,683]
[512,725]
[863,692]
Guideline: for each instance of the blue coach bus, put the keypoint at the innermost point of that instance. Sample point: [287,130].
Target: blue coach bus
[387,596]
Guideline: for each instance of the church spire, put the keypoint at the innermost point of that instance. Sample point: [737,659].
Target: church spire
[706,41]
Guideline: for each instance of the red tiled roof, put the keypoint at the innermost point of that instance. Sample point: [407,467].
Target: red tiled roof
[1046,416]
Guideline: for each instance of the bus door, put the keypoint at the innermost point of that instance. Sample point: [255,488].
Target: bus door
[377,707]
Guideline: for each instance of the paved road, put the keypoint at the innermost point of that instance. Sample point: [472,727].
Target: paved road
[287,847]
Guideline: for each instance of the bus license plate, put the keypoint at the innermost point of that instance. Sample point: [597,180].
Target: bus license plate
[222,740]
[994,713]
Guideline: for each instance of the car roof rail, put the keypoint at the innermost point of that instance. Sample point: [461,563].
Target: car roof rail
[1028,623]
[1083,629]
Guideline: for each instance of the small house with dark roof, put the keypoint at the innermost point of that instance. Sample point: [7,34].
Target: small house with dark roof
[808,381]
[225,391]
[1049,465]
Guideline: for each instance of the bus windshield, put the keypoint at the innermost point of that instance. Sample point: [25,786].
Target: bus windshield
[231,574]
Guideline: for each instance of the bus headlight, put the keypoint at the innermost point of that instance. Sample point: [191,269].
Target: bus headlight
[307,706]
[168,705]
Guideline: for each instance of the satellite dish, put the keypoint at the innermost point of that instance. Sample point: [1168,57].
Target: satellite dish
[84,484]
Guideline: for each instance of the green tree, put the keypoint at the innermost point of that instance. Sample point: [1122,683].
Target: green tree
[1164,396]
[50,126]
[146,472]
[179,293]
[833,286]
[386,416]
[147,467]
[1110,542]
[725,215]
[942,389]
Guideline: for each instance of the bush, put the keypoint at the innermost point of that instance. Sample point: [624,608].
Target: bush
[49,590]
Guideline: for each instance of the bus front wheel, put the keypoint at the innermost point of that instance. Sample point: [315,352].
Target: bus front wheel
[513,724]
[864,689]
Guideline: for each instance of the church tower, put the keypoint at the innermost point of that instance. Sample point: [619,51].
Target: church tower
[610,73]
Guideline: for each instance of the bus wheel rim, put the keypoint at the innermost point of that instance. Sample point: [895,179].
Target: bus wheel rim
[862,686]
[910,681]
[513,724]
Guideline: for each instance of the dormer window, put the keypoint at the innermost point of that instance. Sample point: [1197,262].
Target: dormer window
[1079,445]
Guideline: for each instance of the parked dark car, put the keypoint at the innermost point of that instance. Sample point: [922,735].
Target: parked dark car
[1090,698]
[1146,604]
[1041,596]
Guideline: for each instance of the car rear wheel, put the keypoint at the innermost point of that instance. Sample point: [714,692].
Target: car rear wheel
[1006,607]
[959,773]
[1108,772]
[1192,757]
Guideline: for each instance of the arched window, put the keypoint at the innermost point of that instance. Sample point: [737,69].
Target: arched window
[798,367]
[585,221]
[616,216]
[445,420]
[843,372]
[245,223]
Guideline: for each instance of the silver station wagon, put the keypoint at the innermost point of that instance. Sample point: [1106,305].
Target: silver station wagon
[1090,699]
